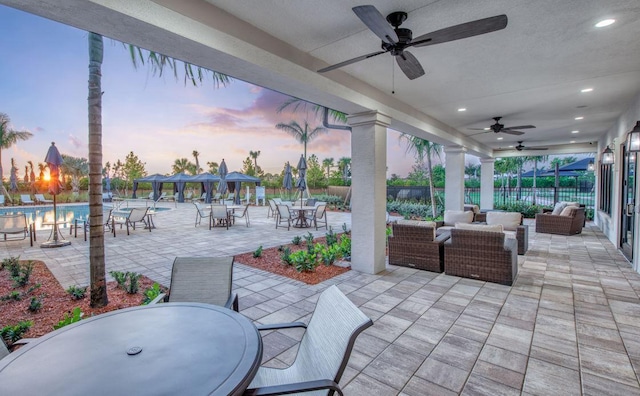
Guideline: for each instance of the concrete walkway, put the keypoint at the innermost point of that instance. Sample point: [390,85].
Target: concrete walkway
[569,325]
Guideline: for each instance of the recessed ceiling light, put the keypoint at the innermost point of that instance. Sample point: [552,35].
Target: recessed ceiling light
[586,90]
[605,22]
[462,109]
[575,131]
[511,146]
[500,138]
[579,118]
[573,141]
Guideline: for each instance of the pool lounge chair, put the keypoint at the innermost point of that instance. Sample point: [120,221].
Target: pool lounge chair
[26,199]
[136,215]
[42,200]
[15,224]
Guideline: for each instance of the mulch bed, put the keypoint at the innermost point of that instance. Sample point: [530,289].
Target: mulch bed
[270,261]
[56,301]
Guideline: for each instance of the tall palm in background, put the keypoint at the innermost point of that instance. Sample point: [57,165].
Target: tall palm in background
[424,149]
[328,164]
[26,174]
[183,165]
[196,154]
[302,134]
[299,105]
[9,137]
[76,168]
[32,174]
[535,159]
[213,167]
[254,155]
[343,166]
[41,167]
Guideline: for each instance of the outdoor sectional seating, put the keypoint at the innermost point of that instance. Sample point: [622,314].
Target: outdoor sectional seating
[569,222]
[413,244]
[482,255]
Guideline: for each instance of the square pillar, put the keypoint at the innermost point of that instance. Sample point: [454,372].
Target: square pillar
[454,177]
[369,190]
[486,182]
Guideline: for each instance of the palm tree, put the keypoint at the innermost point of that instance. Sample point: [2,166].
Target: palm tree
[302,135]
[9,137]
[182,165]
[32,175]
[343,166]
[213,167]
[535,159]
[196,154]
[255,155]
[328,163]
[26,174]
[76,168]
[424,149]
[97,273]
[299,104]
[41,167]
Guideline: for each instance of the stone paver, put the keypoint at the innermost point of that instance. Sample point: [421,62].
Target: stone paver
[569,325]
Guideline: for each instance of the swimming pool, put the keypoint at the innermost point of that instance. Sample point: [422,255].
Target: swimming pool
[66,213]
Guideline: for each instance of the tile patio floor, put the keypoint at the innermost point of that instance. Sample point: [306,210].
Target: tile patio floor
[569,325]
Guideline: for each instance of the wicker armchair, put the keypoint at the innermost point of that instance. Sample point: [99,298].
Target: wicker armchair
[564,225]
[415,247]
[482,255]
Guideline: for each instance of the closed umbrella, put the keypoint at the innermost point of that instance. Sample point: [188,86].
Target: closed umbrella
[287,181]
[301,184]
[222,172]
[54,160]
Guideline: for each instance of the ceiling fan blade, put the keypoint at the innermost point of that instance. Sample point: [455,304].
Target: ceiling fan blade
[409,65]
[519,127]
[509,132]
[480,133]
[478,129]
[350,61]
[370,16]
[535,148]
[464,30]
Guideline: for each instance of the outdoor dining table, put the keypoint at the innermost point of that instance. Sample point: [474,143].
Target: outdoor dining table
[301,218]
[168,349]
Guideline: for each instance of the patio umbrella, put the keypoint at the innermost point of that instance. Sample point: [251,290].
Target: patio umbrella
[54,160]
[301,184]
[222,171]
[287,181]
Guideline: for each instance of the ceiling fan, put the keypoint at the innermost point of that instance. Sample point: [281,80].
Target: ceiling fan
[498,127]
[396,40]
[521,147]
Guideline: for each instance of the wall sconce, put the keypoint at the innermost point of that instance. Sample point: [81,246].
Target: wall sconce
[633,139]
[591,166]
[607,156]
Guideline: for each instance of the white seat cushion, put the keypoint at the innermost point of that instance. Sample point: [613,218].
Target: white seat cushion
[509,220]
[451,217]
[510,234]
[418,223]
[443,229]
[480,227]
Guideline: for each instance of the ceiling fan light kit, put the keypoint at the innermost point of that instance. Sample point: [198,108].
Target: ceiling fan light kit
[396,40]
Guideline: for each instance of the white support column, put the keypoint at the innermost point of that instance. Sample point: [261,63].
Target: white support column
[369,191]
[454,177]
[486,182]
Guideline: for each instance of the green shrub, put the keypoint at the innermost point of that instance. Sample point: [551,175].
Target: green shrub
[14,333]
[151,293]
[12,264]
[329,254]
[286,256]
[296,240]
[303,261]
[14,295]
[127,281]
[331,237]
[36,304]
[134,284]
[345,246]
[258,252]
[77,292]
[76,316]
[529,211]
[120,278]
[23,275]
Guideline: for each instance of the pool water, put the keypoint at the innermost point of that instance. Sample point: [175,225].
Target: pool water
[66,213]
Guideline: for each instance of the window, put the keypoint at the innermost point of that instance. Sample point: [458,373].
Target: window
[606,188]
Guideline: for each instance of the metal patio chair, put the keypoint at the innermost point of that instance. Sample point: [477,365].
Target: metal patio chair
[245,214]
[201,213]
[137,215]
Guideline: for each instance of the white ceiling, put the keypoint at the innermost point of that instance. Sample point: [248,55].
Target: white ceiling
[529,73]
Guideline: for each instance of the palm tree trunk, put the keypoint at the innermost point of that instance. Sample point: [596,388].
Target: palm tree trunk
[432,194]
[97,274]
[4,190]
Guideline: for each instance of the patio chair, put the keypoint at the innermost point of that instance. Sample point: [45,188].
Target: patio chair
[26,199]
[188,196]
[323,353]
[220,214]
[284,214]
[86,224]
[136,215]
[272,211]
[107,197]
[320,216]
[215,198]
[245,214]
[413,244]
[203,280]
[202,213]
[15,224]
[42,200]
[569,222]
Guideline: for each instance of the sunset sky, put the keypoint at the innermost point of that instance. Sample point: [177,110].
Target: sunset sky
[43,80]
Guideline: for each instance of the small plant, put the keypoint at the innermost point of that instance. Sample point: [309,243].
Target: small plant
[12,264]
[134,283]
[35,304]
[388,232]
[345,247]
[32,288]
[296,240]
[331,236]
[258,252]
[14,333]
[24,274]
[77,292]
[14,295]
[286,256]
[303,261]
[120,278]
[151,293]
[76,316]
[329,254]
[280,248]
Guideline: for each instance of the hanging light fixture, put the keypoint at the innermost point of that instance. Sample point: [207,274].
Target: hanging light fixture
[591,166]
[607,156]
[633,139]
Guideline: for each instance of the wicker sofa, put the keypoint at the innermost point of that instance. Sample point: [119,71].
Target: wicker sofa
[413,245]
[482,255]
[568,224]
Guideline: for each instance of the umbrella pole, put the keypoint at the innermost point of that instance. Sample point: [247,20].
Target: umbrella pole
[55,221]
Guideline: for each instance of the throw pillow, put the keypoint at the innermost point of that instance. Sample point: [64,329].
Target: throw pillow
[480,227]
[569,211]
[508,220]
[451,217]
[418,223]
[558,208]
[576,204]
